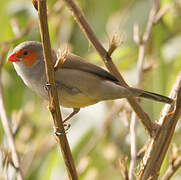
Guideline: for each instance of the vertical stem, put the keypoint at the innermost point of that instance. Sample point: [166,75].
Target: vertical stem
[53,96]
[133,146]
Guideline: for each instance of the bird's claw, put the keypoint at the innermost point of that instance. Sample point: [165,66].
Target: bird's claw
[67,126]
[57,133]
[47,86]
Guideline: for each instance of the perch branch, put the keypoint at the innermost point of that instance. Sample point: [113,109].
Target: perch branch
[53,96]
[153,158]
[85,27]
[123,167]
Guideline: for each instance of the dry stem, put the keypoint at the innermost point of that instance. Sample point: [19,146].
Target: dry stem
[53,96]
[133,146]
[172,168]
[123,167]
[153,158]
[85,27]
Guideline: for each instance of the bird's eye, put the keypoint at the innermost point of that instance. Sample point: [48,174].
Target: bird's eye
[25,53]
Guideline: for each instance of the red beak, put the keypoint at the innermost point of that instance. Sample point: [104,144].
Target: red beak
[13,58]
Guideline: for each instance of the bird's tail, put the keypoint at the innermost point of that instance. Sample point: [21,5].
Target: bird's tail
[150,95]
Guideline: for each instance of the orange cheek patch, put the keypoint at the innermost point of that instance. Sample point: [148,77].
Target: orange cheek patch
[30,59]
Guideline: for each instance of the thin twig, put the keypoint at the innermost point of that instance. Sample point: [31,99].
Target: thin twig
[144,40]
[158,146]
[161,12]
[140,67]
[53,96]
[123,167]
[7,129]
[151,21]
[150,126]
[172,168]
[115,42]
[133,146]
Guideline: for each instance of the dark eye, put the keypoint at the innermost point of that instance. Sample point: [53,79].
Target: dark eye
[25,53]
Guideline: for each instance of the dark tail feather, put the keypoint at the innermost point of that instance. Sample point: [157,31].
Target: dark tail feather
[150,95]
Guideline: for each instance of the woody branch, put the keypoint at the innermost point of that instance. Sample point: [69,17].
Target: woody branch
[53,96]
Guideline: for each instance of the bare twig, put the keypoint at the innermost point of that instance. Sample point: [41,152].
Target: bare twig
[133,146]
[161,12]
[123,167]
[136,34]
[141,55]
[7,129]
[172,168]
[115,42]
[150,126]
[61,58]
[53,96]
[158,146]
[144,40]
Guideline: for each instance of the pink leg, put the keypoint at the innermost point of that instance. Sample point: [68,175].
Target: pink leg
[75,111]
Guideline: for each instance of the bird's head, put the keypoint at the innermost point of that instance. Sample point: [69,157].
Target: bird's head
[27,54]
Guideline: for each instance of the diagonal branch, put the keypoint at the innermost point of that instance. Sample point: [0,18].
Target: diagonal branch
[172,168]
[53,96]
[150,126]
[153,158]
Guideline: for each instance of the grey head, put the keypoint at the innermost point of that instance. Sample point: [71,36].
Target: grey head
[28,57]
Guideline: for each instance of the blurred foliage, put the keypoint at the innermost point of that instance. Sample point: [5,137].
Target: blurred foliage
[97,139]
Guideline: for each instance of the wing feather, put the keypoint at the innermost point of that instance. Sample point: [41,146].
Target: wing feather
[75,62]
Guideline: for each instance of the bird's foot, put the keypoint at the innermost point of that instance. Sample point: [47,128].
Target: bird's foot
[57,133]
[67,126]
[48,86]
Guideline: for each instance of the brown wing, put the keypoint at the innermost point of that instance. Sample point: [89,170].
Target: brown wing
[76,62]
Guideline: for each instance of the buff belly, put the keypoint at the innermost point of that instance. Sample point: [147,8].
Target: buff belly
[74,100]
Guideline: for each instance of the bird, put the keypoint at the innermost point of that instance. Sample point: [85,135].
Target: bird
[79,83]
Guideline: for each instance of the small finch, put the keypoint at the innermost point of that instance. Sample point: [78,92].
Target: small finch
[79,83]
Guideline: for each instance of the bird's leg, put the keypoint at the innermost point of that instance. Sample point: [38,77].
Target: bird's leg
[57,133]
[75,111]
